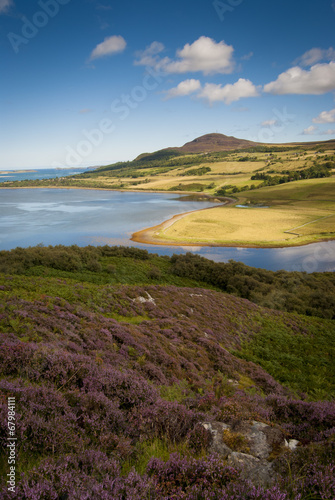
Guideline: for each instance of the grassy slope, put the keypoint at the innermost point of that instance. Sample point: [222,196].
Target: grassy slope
[302,362]
[105,380]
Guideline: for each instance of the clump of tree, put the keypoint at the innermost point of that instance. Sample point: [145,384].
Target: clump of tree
[194,186]
[248,158]
[197,171]
[314,172]
[311,294]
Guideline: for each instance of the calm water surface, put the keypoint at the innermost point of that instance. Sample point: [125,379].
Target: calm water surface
[91,217]
[41,173]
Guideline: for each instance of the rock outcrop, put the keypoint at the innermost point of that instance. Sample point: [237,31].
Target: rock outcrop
[250,447]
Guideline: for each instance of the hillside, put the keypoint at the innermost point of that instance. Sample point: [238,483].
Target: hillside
[121,390]
[214,142]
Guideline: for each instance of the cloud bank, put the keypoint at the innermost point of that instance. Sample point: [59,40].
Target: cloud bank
[320,79]
[204,55]
[228,93]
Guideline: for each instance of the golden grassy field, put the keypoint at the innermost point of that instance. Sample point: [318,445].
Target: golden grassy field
[299,212]
[230,171]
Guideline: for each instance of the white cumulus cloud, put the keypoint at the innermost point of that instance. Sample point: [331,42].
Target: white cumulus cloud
[184,88]
[4,5]
[309,130]
[320,79]
[316,55]
[325,117]
[203,55]
[229,93]
[111,45]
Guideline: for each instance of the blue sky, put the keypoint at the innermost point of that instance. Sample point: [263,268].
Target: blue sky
[91,82]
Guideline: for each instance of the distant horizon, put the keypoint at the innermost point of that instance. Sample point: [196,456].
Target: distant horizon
[108,162]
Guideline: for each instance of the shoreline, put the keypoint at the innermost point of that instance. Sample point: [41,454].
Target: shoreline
[6,172]
[181,193]
[146,236]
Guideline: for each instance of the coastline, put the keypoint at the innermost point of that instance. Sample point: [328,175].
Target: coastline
[147,236]
[6,172]
[181,193]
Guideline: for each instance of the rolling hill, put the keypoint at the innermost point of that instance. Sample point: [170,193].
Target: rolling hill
[214,142]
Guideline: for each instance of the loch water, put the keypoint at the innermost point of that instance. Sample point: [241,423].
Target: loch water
[96,217]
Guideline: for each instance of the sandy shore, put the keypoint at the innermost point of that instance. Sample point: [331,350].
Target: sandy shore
[149,235]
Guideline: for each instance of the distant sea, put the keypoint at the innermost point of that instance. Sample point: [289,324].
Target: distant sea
[41,173]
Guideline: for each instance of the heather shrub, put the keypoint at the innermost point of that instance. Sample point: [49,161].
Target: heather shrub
[97,415]
[181,477]
[45,423]
[90,474]
[246,491]
[207,402]
[166,419]
[199,439]
[233,409]
[98,368]
[14,355]
[306,421]
[313,481]
[126,387]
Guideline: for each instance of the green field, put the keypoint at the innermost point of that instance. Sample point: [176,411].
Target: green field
[295,182]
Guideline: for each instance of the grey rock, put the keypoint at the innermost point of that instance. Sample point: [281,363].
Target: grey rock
[217,445]
[143,300]
[291,444]
[262,438]
[259,446]
[259,472]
